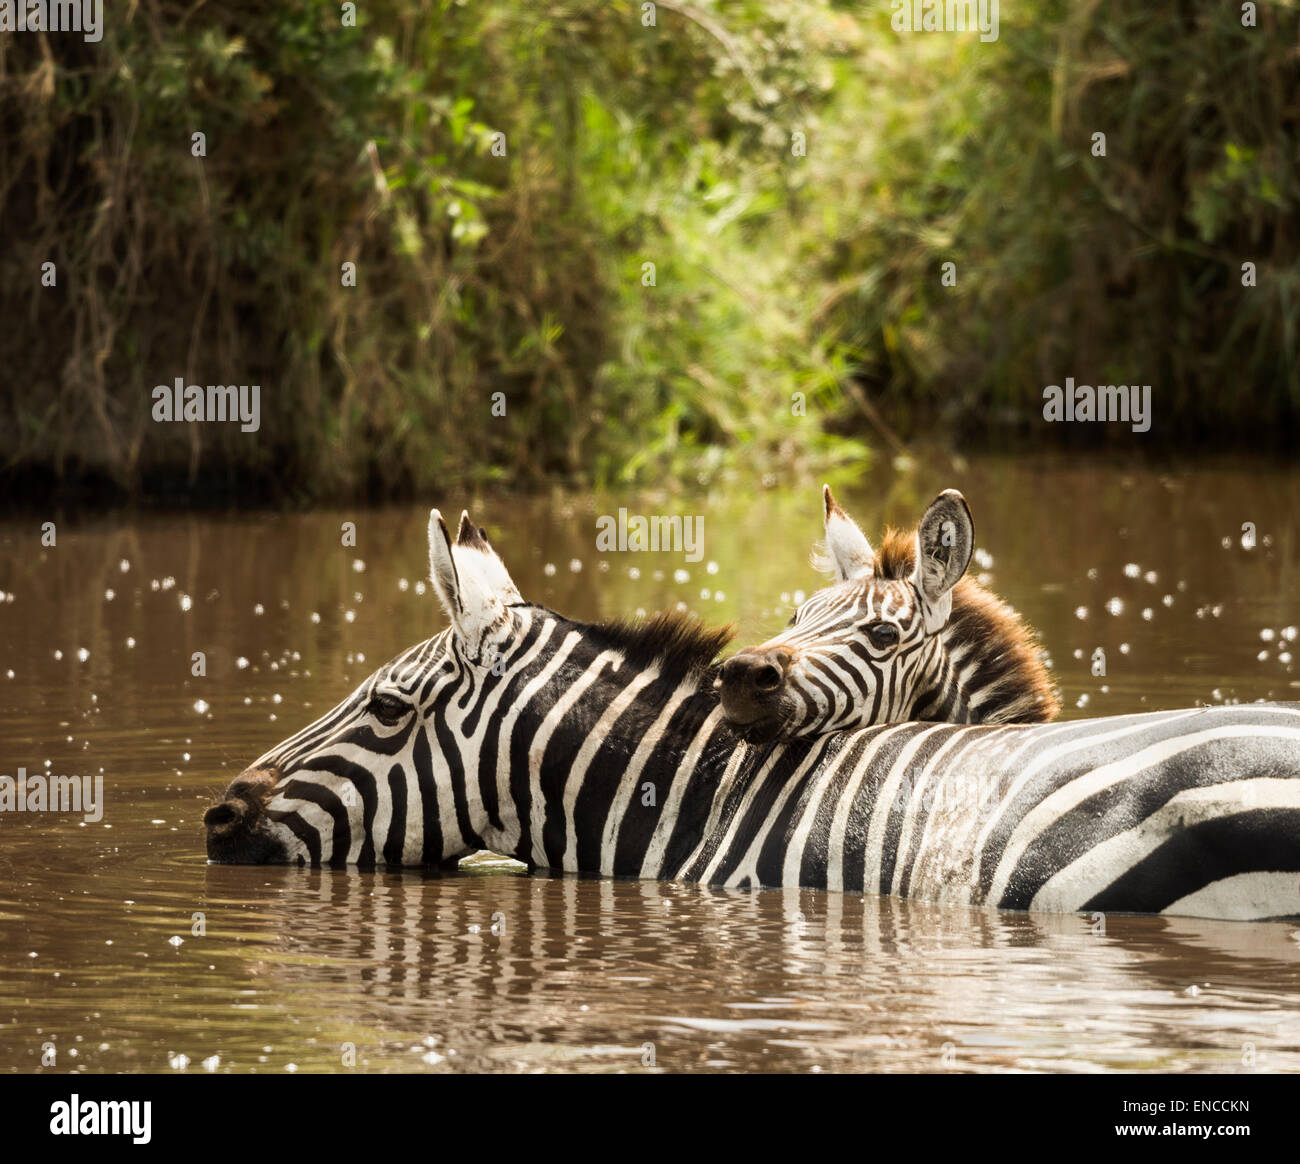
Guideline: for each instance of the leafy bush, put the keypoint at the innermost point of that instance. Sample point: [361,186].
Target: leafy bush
[795,312]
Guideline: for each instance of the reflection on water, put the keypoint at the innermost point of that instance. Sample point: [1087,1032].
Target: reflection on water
[122,949]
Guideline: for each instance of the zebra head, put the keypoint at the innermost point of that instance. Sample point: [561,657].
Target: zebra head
[900,635]
[380,778]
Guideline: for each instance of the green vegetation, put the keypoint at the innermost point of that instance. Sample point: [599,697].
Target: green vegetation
[777,270]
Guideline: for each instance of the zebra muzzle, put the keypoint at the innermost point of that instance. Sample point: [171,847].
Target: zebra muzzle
[232,824]
[752,682]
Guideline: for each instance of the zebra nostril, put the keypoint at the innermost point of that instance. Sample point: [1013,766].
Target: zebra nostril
[224,814]
[767,677]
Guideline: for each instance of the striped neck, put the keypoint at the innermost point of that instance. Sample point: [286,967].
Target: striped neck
[590,760]
[985,666]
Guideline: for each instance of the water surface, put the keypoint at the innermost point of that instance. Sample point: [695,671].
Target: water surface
[121,949]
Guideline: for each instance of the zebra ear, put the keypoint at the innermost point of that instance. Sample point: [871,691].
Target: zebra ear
[480,567]
[442,566]
[945,541]
[471,580]
[850,553]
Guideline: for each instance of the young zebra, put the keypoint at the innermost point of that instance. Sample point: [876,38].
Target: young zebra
[890,641]
[603,749]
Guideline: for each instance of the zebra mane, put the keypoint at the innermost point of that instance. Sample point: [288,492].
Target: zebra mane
[896,556]
[676,643]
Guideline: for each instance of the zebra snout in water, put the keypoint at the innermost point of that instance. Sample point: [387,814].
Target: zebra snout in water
[752,684]
[233,825]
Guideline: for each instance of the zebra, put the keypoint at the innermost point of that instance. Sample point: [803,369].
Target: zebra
[891,640]
[602,748]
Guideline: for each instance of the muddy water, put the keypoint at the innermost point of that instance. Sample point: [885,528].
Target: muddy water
[121,949]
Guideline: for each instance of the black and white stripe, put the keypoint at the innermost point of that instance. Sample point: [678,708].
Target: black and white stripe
[901,635]
[604,749]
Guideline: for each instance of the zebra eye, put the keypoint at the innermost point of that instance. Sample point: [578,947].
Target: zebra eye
[883,634]
[388,709]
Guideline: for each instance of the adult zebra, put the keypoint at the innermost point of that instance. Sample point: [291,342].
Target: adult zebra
[603,749]
[892,640]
